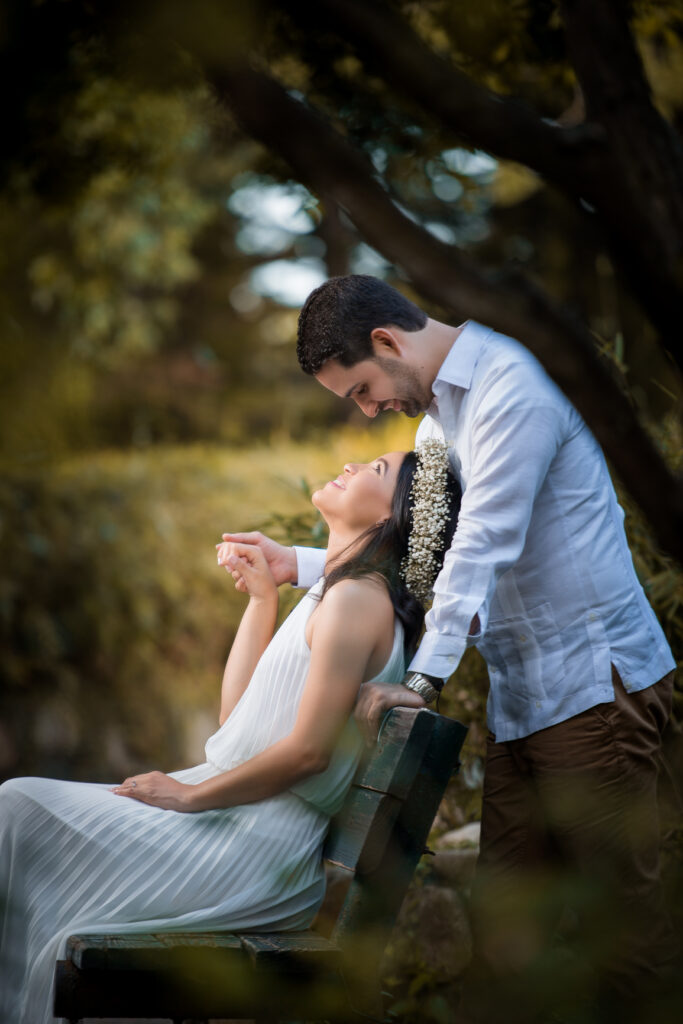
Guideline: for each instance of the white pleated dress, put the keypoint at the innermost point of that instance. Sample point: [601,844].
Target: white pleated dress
[75,857]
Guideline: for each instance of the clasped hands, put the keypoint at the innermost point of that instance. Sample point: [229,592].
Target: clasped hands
[257,564]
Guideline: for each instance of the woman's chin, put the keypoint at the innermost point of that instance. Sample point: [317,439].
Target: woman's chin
[318,501]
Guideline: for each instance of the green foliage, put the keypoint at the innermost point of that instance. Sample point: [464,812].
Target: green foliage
[98,624]
[114,619]
[305,528]
[123,244]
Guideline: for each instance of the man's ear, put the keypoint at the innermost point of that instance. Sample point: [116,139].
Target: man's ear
[386,342]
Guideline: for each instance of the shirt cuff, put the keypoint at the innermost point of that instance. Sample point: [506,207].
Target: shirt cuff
[438,655]
[310,566]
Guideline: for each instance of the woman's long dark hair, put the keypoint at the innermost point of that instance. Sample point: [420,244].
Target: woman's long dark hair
[384,546]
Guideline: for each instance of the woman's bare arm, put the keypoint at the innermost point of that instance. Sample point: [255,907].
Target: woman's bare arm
[247,564]
[352,608]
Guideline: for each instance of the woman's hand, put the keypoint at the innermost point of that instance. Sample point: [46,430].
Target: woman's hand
[281,559]
[249,568]
[157,789]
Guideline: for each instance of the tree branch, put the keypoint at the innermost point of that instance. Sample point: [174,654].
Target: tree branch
[322,158]
[639,190]
[643,234]
[506,127]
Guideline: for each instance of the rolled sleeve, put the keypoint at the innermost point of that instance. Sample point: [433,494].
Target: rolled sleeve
[439,654]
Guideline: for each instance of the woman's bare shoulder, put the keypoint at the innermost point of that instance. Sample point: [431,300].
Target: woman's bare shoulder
[356,598]
[363,588]
[354,625]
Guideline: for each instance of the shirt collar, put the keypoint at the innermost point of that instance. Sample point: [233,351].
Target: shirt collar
[458,366]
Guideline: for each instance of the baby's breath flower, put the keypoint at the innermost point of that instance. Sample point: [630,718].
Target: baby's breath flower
[430,505]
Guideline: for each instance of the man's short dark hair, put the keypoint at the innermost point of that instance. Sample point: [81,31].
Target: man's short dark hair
[338,317]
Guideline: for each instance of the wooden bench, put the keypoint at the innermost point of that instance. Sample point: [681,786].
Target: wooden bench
[377,838]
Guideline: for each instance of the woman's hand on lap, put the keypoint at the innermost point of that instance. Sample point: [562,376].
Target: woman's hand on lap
[158,790]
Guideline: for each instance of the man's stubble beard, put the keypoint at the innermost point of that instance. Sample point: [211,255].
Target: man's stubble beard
[409,390]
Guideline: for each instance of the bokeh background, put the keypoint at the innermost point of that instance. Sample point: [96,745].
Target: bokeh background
[153,260]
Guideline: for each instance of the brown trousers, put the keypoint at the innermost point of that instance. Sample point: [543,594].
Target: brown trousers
[570,820]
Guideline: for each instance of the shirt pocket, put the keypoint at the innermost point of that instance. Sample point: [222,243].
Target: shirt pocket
[525,652]
[587,653]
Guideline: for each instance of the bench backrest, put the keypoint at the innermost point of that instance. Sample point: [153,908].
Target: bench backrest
[381,832]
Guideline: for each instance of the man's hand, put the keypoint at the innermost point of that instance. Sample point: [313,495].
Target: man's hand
[157,789]
[281,559]
[375,699]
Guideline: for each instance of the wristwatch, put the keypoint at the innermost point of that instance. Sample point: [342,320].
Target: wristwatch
[428,687]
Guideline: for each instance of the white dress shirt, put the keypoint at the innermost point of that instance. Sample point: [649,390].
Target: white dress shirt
[540,553]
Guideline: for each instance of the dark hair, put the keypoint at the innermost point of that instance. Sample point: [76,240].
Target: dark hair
[338,317]
[385,545]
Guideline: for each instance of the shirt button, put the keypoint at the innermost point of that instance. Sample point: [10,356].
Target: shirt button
[538,703]
[592,617]
[522,637]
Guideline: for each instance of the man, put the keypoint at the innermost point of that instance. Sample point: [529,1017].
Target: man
[540,578]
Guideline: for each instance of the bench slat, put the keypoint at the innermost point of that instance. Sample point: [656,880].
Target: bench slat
[144,952]
[359,834]
[291,952]
[390,767]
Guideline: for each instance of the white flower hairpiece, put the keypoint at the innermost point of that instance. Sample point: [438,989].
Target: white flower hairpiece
[431,509]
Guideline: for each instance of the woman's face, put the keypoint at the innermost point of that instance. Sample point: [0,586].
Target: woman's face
[362,494]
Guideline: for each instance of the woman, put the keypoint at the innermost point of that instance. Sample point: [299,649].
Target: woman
[235,842]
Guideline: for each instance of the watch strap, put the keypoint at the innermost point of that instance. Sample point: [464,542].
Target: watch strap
[422,685]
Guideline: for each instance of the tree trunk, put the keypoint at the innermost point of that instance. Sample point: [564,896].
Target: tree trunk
[637,185]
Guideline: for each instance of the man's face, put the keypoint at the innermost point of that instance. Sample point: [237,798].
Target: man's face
[377,384]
